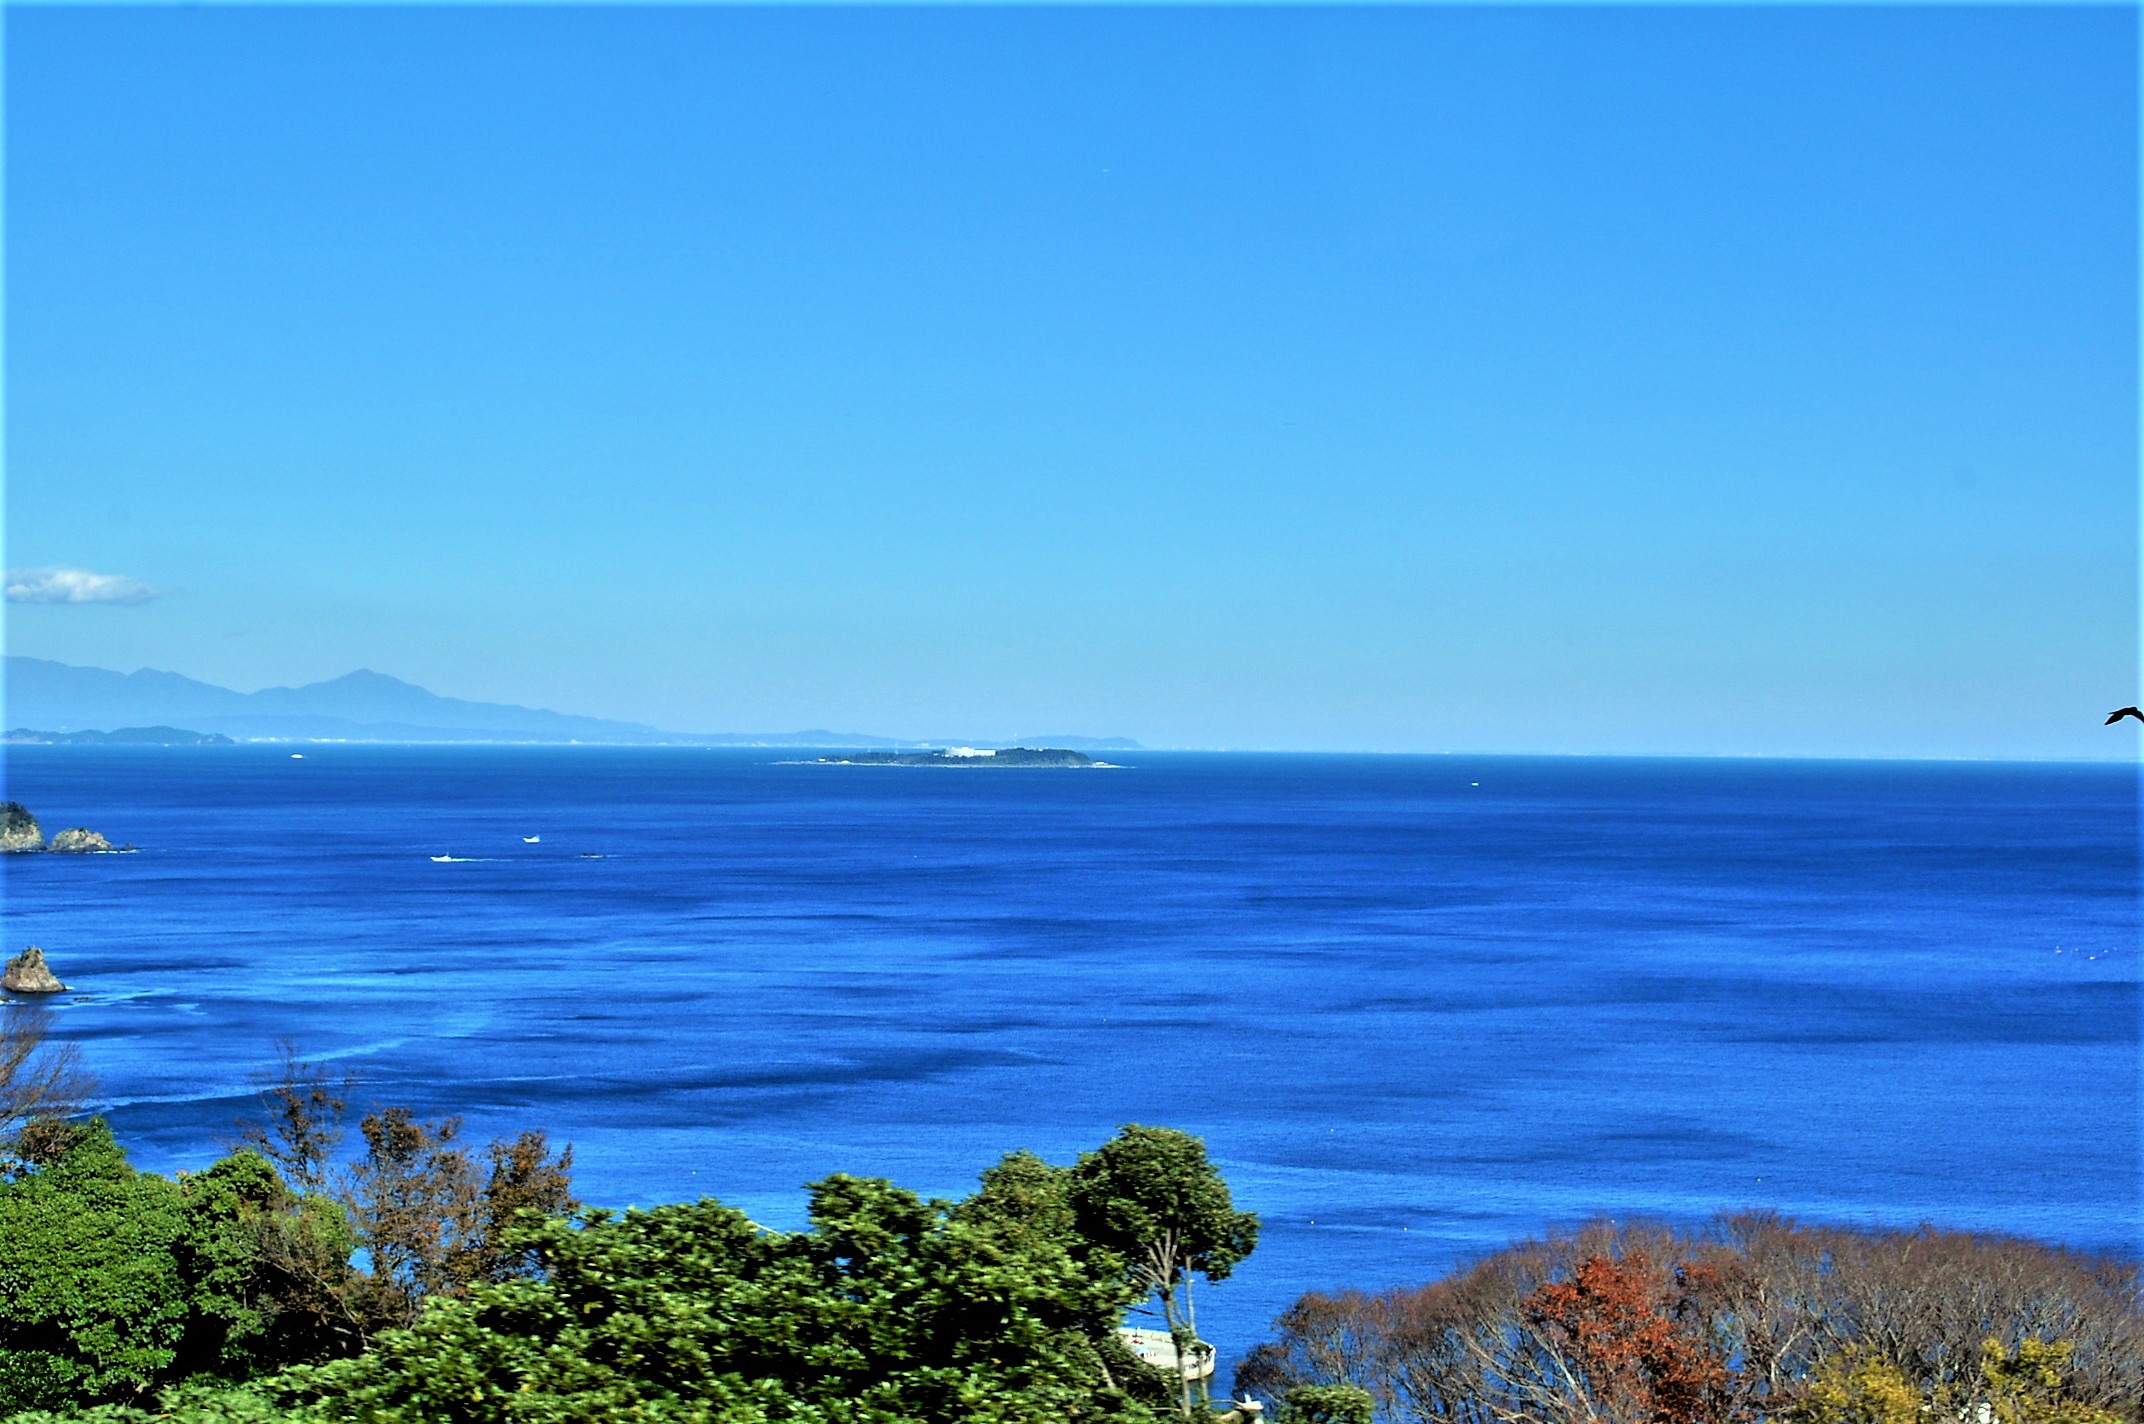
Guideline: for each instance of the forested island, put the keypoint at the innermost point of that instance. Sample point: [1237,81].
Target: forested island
[418,1277]
[965,756]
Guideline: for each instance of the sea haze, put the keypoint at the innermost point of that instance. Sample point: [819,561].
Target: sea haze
[1416,1005]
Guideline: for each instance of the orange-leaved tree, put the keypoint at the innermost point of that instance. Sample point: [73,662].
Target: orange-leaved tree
[1620,1340]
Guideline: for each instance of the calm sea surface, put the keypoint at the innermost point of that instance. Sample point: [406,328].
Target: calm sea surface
[1416,1005]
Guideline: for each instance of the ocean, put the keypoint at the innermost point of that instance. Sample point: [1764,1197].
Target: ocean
[1416,1006]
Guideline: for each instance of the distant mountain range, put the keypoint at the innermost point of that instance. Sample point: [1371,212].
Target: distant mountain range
[361,706]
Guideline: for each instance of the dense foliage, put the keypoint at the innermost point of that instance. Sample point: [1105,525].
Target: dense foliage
[421,1281]
[889,1308]
[1155,1209]
[112,1280]
[116,1284]
[1756,1319]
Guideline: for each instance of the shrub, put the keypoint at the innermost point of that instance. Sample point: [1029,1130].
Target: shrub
[1328,1404]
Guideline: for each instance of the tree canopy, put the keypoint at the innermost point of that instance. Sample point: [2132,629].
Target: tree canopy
[1155,1210]
[412,1284]
[113,1281]
[1749,1318]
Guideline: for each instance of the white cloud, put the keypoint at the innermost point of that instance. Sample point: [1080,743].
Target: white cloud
[74,586]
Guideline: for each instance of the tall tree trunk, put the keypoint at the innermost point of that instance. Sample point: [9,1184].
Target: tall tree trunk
[1176,1341]
[1191,1323]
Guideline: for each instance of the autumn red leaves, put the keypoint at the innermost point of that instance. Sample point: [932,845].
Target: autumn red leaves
[1624,1327]
[1746,1320]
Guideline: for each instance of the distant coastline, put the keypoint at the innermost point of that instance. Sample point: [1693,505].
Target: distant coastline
[119,737]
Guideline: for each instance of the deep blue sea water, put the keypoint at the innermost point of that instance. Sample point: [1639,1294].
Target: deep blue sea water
[1416,1005]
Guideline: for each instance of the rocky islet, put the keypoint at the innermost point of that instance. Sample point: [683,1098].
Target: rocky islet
[21,835]
[27,973]
[19,831]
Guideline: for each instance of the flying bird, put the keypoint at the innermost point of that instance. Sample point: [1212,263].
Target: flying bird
[2118,714]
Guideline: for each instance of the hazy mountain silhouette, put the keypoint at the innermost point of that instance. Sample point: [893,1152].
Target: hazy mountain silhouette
[359,706]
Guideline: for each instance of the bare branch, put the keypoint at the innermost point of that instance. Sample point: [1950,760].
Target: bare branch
[39,1078]
[305,1106]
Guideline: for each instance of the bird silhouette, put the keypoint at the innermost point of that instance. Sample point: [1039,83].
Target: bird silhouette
[2118,714]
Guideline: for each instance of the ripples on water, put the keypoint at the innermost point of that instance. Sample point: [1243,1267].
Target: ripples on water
[1412,1015]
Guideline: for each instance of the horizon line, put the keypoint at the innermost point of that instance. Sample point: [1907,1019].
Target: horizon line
[925,743]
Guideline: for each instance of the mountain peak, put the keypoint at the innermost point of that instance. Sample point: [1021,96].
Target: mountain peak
[363,705]
[358,706]
[366,678]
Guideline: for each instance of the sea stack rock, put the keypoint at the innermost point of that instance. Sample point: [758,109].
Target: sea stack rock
[27,973]
[78,840]
[18,829]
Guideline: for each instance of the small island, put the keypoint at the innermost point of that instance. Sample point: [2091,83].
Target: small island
[19,831]
[80,840]
[21,835]
[966,756]
[27,973]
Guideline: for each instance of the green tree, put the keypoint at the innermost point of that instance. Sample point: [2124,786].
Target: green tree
[268,1271]
[1328,1404]
[889,1310]
[214,1297]
[1028,1203]
[184,1404]
[115,1282]
[91,1302]
[1154,1206]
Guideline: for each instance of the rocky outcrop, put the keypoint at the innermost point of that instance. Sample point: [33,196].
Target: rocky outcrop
[18,829]
[19,833]
[27,973]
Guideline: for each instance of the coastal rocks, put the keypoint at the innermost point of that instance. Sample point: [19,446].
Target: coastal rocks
[27,973]
[19,835]
[18,829]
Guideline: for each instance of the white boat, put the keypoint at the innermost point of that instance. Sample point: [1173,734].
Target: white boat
[532,840]
[1158,1348]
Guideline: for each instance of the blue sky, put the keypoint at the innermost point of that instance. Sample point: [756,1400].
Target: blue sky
[1575,379]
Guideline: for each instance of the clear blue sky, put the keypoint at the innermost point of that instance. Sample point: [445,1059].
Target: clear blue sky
[1703,380]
